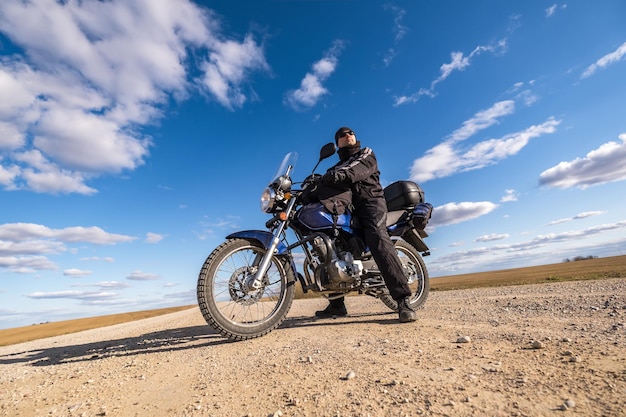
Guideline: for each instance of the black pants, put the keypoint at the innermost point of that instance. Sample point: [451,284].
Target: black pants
[372,216]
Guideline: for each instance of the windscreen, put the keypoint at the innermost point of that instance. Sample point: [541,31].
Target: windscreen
[286,167]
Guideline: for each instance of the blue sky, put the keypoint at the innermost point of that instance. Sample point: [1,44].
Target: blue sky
[136,134]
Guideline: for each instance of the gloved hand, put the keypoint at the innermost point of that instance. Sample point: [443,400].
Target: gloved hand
[316,179]
[333,177]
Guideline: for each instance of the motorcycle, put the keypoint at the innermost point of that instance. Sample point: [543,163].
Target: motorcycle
[246,286]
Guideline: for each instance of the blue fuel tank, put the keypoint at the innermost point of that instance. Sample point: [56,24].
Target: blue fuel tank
[316,217]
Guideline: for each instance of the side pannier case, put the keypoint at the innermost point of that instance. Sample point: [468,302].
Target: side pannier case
[421,215]
[403,195]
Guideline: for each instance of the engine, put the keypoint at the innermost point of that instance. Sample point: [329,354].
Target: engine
[335,271]
[346,270]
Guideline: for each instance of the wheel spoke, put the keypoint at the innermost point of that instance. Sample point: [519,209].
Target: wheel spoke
[246,306]
[235,311]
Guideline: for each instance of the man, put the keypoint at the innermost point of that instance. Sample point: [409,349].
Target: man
[357,169]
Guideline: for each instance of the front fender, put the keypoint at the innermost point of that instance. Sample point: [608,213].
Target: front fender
[261,236]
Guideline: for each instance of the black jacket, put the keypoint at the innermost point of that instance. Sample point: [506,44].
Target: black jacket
[352,181]
[360,173]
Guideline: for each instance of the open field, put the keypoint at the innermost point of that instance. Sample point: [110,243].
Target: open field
[600,268]
[591,269]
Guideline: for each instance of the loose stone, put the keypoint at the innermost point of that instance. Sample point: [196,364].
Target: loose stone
[537,345]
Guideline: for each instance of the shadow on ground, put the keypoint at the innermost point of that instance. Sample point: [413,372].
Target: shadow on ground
[161,341]
[169,341]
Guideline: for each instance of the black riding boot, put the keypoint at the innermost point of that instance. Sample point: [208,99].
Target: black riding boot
[336,308]
[406,313]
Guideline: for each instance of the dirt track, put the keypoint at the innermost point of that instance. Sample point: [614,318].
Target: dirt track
[537,350]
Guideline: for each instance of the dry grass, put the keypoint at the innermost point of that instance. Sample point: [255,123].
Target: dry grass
[600,268]
[39,331]
[611,267]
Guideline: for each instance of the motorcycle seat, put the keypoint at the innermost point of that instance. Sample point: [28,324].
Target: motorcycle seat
[396,216]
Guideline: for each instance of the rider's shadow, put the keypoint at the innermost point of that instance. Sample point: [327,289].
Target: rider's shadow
[161,341]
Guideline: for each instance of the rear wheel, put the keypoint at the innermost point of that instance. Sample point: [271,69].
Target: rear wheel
[416,274]
[228,306]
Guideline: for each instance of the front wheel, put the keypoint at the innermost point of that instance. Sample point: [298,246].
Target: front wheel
[227,305]
[416,274]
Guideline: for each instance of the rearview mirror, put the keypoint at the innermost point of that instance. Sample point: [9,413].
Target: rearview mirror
[327,150]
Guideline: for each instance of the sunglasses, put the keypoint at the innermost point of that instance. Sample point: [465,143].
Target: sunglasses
[346,133]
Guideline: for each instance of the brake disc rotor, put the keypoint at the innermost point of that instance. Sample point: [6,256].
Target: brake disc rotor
[236,287]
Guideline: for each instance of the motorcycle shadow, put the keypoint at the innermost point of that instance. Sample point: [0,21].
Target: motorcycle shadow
[161,341]
[356,318]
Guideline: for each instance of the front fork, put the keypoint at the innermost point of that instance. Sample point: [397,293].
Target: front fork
[255,281]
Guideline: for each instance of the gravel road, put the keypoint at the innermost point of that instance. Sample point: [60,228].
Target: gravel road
[537,350]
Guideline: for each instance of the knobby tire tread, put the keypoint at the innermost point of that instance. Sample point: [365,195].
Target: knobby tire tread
[204,279]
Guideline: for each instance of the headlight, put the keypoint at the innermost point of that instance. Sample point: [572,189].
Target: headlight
[268,198]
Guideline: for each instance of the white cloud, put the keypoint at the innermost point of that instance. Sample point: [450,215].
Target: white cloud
[575,234]
[227,68]
[26,264]
[104,69]
[22,244]
[31,247]
[153,237]
[111,284]
[104,285]
[550,11]
[399,29]
[74,295]
[10,136]
[449,157]
[113,150]
[311,89]
[20,232]
[491,237]
[97,258]
[579,216]
[45,177]
[453,213]
[606,60]
[142,276]
[389,56]
[510,195]
[600,166]
[8,175]
[524,94]
[458,62]
[483,119]
[73,272]
[220,225]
